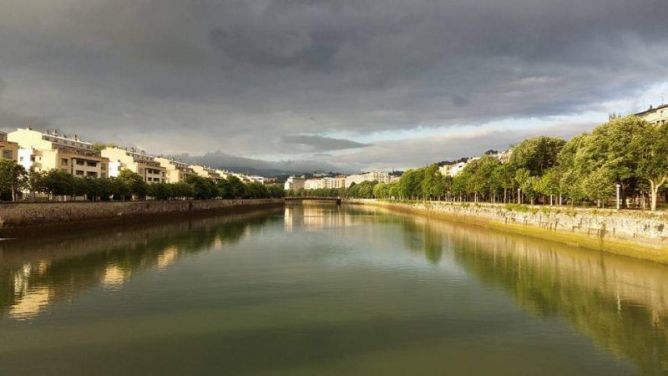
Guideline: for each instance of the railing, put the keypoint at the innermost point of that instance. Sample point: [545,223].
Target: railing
[308,198]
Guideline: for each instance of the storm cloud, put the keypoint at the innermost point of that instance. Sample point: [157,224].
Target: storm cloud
[347,84]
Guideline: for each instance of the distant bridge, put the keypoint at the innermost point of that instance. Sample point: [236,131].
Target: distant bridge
[308,198]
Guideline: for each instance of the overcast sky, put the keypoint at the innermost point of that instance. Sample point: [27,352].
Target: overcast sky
[355,84]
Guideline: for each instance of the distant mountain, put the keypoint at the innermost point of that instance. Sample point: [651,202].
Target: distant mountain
[251,166]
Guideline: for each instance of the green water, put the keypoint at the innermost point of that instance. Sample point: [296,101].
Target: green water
[324,290]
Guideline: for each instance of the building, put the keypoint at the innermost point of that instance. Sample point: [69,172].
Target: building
[314,184]
[336,182]
[379,176]
[46,151]
[256,179]
[658,115]
[294,183]
[175,171]
[206,172]
[8,150]
[138,162]
[223,173]
[453,169]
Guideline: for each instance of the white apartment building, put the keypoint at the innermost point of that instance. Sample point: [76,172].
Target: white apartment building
[658,115]
[176,172]
[45,151]
[294,183]
[206,172]
[138,162]
[379,176]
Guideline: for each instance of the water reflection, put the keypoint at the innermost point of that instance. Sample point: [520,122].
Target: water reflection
[621,303]
[315,216]
[35,274]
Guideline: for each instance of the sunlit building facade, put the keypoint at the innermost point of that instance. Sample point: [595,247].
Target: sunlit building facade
[138,162]
[8,150]
[45,151]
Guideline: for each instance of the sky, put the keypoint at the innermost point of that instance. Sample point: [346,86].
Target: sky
[347,85]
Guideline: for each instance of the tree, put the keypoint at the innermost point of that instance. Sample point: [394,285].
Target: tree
[549,184]
[237,188]
[653,163]
[599,185]
[59,183]
[410,184]
[537,154]
[527,183]
[613,146]
[504,176]
[256,190]
[160,191]
[182,190]
[203,188]
[432,182]
[134,182]
[570,175]
[13,177]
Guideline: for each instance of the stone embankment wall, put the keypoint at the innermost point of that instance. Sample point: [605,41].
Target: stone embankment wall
[631,233]
[13,215]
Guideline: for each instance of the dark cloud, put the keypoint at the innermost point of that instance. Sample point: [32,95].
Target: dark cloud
[240,75]
[254,166]
[319,143]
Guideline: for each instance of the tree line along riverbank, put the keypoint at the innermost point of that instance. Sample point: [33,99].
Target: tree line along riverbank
[626,155]
[57,185]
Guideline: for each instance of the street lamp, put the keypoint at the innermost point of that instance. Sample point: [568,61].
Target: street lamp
[618,201]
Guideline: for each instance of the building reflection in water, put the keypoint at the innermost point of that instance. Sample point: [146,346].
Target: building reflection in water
[620,303]
[315,216]
[36,274]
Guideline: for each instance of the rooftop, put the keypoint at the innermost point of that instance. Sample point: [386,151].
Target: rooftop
[652,109]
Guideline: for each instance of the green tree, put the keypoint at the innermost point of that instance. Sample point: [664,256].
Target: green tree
[135,182]
[652,143]
[612,146]
[203,188]
[549,184]
[432,182]
[599,185]
[537,154]
[237,188]
[13,177]
[59,183]
[160,191]
[182,190]
[527,183]
[504,178]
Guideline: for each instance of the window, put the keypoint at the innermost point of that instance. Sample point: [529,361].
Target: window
[92,164]
[64,161]
[80,162]
[7,154]
[103,166]
[79,173]
[92,174]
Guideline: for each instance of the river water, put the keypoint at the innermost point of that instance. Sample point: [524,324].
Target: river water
[317,289]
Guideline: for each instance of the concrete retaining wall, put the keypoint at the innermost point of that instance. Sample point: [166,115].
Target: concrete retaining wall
[28,214]
[638,234]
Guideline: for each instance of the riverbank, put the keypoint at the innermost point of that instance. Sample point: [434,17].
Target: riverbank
[636,234]
[29,217]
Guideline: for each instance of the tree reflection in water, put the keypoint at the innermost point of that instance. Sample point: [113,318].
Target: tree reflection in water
[34,274]
[621,303]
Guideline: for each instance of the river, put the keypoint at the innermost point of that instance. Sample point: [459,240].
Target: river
[328,290]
